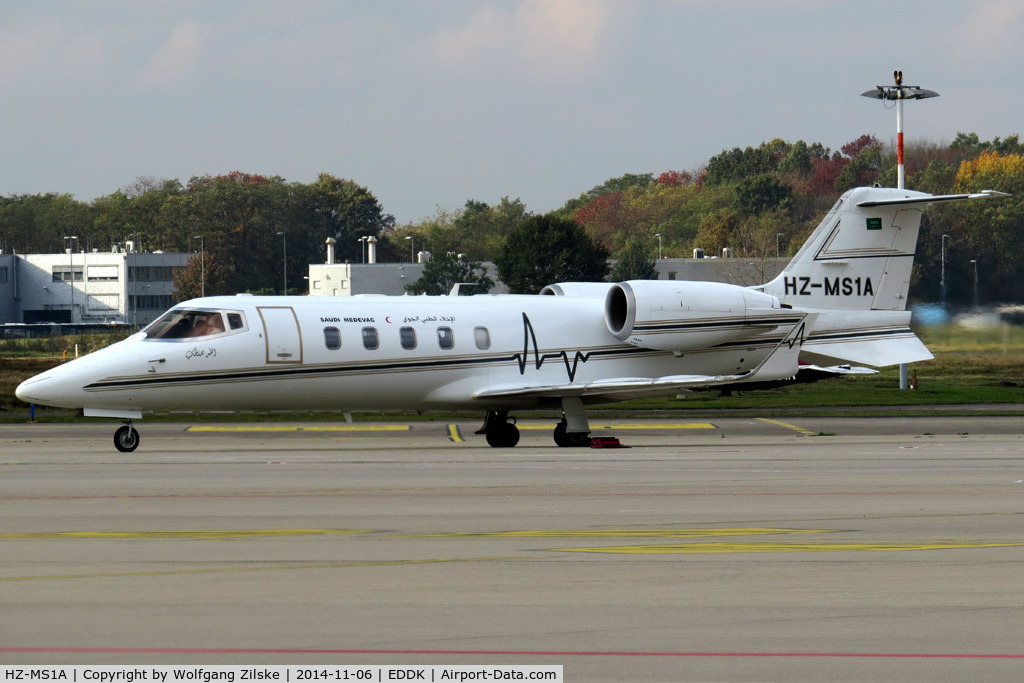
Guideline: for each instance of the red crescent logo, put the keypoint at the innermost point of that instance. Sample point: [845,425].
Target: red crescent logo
[387,318]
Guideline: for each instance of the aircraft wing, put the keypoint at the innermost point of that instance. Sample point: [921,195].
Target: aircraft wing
[781,362]
[617,386]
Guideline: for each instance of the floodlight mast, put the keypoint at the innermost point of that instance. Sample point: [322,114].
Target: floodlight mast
[899,92]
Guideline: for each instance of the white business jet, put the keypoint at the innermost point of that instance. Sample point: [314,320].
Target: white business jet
[841,300]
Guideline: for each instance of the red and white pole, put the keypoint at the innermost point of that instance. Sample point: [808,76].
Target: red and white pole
[901,177]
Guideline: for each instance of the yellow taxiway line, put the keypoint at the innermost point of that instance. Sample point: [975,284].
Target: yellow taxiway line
[801,430]
[653,425]
[301,428]
[214,535]
[262,568]
[622,533]
[709,548]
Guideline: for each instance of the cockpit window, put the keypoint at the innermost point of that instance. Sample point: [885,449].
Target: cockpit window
[187,324]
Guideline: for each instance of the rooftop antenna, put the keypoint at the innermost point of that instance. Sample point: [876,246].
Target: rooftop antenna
[899,92]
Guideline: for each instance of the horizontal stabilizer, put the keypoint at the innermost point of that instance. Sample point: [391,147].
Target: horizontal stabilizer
[932,199]
[880,349]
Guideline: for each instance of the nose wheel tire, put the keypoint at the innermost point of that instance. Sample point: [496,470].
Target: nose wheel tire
[126,439]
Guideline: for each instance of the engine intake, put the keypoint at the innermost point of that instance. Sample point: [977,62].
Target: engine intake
[686,315]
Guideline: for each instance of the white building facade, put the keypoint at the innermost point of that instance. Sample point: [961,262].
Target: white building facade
[82,288]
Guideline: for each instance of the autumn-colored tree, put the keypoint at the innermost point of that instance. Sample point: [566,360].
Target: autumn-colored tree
[605,217]
[826,173]
[716,231]
[675,178]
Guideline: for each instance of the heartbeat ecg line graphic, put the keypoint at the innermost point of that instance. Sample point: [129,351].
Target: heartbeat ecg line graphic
[796,336]
[529,337]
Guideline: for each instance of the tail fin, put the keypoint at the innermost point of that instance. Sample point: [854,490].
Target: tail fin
[854,270]
[860,256]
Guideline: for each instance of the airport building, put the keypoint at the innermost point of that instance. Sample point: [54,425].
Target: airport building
[88,289]
[84,289]
[351,279]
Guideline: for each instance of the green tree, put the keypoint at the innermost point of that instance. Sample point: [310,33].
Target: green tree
[760,193]
[867,163]
[635,262]
[477,230]
[797,160]
[239,216]
[38,223]
[342,209]
[443,271]
[736,164]
[200,268]
[547,249]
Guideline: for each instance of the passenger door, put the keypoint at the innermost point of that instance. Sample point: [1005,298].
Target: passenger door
[281,330]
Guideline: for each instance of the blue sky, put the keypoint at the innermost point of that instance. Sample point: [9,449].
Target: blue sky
[429,104]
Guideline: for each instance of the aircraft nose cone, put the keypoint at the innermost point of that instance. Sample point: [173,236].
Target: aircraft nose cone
[34,390]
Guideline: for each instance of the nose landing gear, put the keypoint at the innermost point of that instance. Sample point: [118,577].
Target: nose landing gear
[126,438]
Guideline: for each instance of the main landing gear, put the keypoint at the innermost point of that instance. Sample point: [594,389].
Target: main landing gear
[126,438]
[567,439]
[499,431]
[572,432]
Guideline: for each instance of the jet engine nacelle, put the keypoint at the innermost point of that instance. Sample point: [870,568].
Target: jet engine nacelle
[684,315]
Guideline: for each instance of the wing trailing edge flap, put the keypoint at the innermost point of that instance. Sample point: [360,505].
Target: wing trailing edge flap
[781,363]
[617,386]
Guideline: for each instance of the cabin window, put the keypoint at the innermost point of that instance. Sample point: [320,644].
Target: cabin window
[371,340]
[408,338]
[445,337]
[332,338]
[235,321]
[482,338]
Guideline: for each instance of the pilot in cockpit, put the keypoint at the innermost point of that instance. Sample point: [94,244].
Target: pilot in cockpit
[207,325]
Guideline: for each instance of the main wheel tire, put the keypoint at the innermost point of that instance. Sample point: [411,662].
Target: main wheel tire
[504,435]
[126,439]
[566,439]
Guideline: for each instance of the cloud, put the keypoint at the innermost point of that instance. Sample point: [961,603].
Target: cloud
[178,57]
[994,27]
[23,51]
[549,39]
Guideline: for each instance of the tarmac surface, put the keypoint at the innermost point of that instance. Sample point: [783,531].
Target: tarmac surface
[712,549]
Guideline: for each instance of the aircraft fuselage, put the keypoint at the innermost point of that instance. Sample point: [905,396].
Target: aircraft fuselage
[345,353]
